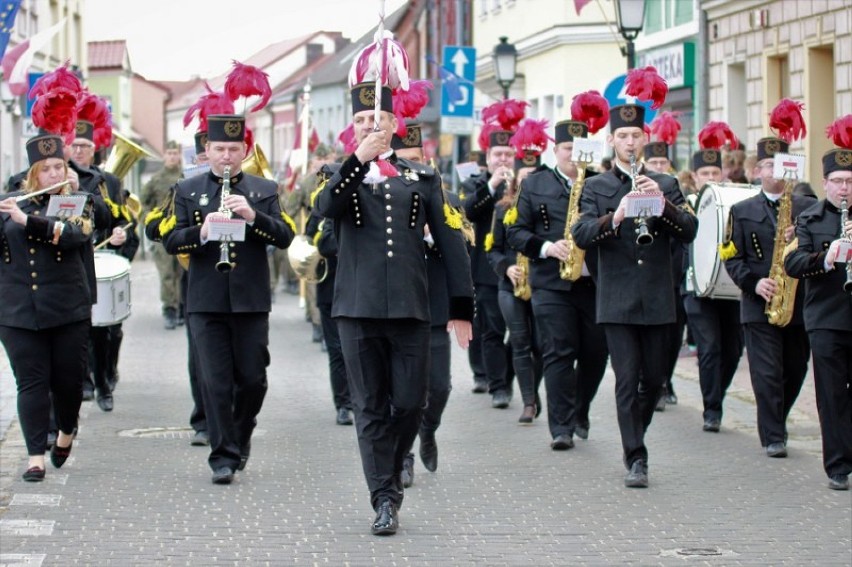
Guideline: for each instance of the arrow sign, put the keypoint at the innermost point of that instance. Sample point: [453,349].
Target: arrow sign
[458,76]
[459,61]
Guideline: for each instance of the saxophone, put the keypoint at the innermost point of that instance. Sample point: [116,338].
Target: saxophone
[522,288]
[779,309]
[224,265]
[572,268]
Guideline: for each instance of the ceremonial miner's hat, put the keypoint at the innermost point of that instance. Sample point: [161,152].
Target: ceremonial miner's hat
[85,129]
[364,98]
[656,150]
[836,159]
[706,158]
[626,116]
[478,157]
[226,128]
[412,139]
[200,142]
[499,138]
[44,146]
[567,130]
[530,159]
[768,147]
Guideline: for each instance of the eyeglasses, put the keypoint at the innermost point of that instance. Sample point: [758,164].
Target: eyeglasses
[841,181]
[81,147]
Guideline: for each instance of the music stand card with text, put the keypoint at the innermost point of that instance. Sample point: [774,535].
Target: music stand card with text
[227,230]
[587,151]
[65,206]
[789,166]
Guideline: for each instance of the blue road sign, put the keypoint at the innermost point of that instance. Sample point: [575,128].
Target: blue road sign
[459,64]
[615,95]
[33,77]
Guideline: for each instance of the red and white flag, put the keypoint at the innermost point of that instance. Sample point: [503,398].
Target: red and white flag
[16,63]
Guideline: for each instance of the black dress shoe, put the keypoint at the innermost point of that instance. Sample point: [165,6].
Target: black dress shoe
[527,415]
[386,522]
[407,471]
[223,475]
[671,399]
[429,451]
[58,455]
[88,394]
[244,456]
[712,424]
[500,400]
[776,450]
[562,442]
[344,417]
[480,387]
[661,403]
[105,402]
[638,475]
[33,474]
[582,431]
[200,439]
[835,482]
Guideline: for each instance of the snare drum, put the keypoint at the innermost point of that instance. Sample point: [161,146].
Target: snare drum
[113,273]
[706,272]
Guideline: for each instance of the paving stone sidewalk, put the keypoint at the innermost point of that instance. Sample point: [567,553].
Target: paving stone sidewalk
[134,492]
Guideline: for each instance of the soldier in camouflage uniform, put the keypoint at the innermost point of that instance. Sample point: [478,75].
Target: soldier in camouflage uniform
[154,194]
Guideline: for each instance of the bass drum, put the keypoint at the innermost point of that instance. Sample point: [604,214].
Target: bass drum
[113,273]
[706,272]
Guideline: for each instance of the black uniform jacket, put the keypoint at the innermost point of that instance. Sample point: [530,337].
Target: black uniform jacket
[501,255]
[327,247]
[439,299]
[381,268]
[826,305]
[542,213]
[245,289]
[478,206]
[753,233]
[42,285]
[635,283]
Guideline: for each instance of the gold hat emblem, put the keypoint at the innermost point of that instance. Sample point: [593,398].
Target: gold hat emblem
[233,129]
[367,96]
[203,139]
[576,130]
[47,147]
[710,156]
[659,150]
[529,159]
[771,147]
[501,138]
[627,113]
[81,127]
[412,138]
[843,158]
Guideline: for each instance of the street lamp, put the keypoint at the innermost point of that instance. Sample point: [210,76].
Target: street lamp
[505,57]
[630,16]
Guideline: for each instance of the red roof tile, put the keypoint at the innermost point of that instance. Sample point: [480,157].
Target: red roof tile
[107,54]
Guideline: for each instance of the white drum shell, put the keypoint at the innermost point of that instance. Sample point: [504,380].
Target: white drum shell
[113,274]
[707,274]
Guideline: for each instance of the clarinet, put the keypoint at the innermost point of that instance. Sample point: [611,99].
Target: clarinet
[223,266]
[844,218]
[643,235]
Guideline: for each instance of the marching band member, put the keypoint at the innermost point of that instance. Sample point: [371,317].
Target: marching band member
[635,294]
[828,310]
[381,305]
[777,356]
[229,312]
[47,305]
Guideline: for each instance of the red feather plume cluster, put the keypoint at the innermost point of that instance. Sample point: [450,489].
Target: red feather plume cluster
[485,135]
[715,135]
[60,78]
[666,127]
[592,108]
[647,85]
[207,105]
[347,138]
[507,113]
[408,104]
[531,135]
[787,121]
[249,139]
[248,80]
[94,109]
[840,132]
[56,112]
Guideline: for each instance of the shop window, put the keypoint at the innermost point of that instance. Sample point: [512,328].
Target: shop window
[682,12]
[820,88]
[737,94]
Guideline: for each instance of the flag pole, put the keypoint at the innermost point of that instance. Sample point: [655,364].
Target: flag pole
[381,64]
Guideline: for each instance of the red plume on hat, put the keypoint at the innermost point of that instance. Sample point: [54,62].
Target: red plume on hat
[249,139]
[666,127]
[840,132]
[507,113]
[408,104]
[386,55]
[94,109]
[485,135]
[786,119]
[590,107]
[347,138]
[647,85]
[56,112]
[209,104]
[715,135]
[248,80]
[532,136]
[61,77]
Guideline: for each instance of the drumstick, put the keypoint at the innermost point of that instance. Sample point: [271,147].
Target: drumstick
[105,242]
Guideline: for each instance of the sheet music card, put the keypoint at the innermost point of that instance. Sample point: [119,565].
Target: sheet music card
[467,169]
[587,151]
[844,252]
[645,204]
[227,230]
[789,166]
[65,206]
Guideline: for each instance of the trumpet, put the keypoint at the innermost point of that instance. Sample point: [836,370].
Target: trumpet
[224,265]
[643,235]
[26,196]
[844,218]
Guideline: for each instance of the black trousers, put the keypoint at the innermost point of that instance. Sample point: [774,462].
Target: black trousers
[197,418]
[832,354]
[675,339]
[474,351]
[47,361]
[104,345]
[637,354]
[574,352]
[495,354]
[387,363]
[778,363]
[440,379]
[526,357]
[233,353]
[336,366]
[718,335]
